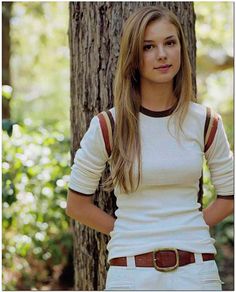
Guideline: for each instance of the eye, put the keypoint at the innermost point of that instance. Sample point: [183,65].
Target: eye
[171,43]
[147,47]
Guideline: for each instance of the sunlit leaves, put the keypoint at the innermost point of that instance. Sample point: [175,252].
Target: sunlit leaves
[35,176]
[214,33]
[214,27]
[7,91]
[40,62]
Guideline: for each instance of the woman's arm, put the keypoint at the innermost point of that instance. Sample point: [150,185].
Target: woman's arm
[82,209]
[220,162]
[217,211]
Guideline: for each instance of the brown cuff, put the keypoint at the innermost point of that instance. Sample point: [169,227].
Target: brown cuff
[81,194]
[231,197]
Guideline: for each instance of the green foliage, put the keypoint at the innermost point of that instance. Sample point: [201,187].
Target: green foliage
[214,27]
[208,188]
[35,227]
[214,33]
[40,62]
[7,92]
[7,125]
[228,120]
[224,231]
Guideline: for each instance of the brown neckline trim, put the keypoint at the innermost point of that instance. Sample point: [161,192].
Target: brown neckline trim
[158,114]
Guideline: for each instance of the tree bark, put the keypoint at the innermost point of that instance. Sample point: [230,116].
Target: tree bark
[94,37]
[6,76]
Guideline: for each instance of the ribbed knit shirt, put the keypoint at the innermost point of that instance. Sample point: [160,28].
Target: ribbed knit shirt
[163,212]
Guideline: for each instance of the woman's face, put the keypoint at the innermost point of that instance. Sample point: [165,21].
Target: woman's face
[161,52]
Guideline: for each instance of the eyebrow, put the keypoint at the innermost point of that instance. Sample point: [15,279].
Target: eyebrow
[169,37]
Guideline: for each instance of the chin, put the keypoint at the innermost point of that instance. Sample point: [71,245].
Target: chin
[162,80]
[159,79]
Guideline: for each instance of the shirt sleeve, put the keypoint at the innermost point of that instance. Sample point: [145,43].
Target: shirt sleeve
[90,161]
[220,161]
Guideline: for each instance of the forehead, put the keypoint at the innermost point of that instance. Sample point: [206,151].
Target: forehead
[160,29]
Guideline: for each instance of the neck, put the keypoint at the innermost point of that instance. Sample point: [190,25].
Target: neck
[157,96]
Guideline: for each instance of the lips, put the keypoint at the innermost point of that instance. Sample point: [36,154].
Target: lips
[165,66]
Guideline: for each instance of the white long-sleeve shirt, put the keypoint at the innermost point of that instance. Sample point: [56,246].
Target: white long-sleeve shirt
[163,212]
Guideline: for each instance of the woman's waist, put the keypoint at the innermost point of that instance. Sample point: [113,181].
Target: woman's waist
[132,218]
[158,229]
[119,246]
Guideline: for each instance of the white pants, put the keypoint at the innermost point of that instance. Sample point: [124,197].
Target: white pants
[197,276]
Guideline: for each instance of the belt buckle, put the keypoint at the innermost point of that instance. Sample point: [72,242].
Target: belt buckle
[165,269]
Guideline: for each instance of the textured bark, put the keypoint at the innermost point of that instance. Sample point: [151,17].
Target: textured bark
[6,79]
[94,37]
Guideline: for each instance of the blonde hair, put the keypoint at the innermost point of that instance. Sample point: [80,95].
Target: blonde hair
[127,100]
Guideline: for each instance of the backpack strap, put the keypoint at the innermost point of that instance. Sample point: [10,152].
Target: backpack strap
[211,124]
[107,125]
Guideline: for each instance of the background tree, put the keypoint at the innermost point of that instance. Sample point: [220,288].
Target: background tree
[94,36]
[36,158]
[6,76]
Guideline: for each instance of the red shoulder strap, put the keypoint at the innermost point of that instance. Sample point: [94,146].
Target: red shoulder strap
[211,124]
[107,126]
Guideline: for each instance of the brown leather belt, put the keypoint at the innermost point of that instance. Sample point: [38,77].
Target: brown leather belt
[164,259]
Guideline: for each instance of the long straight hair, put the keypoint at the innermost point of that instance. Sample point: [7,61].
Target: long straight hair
[127,100]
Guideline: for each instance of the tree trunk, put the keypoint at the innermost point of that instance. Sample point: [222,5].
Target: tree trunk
[6,79]
[94,36]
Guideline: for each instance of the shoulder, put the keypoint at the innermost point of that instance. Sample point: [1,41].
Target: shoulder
[204,113]
[110,112]
[197,110]
[201,110]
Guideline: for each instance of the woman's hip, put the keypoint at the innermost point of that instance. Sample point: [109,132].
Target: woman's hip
[199,275]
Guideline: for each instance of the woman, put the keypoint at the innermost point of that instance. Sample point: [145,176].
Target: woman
[160,239]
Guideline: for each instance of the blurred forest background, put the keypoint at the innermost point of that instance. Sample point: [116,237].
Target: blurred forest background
[37,243]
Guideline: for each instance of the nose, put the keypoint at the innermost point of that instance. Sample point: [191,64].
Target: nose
[161,53]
